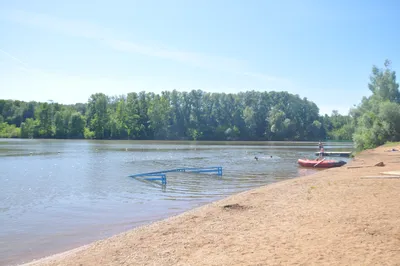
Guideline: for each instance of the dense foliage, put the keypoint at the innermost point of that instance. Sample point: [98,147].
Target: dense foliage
[194,115]
[377,118]
[198,115]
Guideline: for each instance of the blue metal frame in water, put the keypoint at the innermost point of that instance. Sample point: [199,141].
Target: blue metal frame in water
[154,177]
[160,175]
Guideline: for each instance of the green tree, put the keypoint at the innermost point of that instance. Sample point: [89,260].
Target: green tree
[76,126]
[158,113]
[132,115]
[196,115]
[9,131]
[376,118]
[383,83]
[29,128]
[97,114]
[44,115]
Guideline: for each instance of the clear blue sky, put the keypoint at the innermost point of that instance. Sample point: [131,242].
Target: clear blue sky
[67,50]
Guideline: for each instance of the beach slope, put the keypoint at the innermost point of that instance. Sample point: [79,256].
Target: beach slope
[342,216]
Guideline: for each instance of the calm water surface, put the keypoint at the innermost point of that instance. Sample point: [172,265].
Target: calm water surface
[58,194]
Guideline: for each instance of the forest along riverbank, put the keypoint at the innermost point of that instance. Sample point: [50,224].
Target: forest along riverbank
[340,216]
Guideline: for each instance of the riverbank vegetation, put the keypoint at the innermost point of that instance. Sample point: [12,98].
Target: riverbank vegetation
[198,115]
[194,115]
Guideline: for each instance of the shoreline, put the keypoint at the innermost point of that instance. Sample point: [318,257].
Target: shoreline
[330,217]
[158,222]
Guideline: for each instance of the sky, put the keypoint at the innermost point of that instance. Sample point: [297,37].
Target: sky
[65,51]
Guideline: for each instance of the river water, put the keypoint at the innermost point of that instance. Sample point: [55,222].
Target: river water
[59,194]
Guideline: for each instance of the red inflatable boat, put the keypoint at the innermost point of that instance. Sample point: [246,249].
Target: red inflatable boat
[320,163]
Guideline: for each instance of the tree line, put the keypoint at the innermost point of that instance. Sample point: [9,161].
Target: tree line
[173,115]
[199,115]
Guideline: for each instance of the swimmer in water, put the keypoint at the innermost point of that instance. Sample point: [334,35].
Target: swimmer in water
[255,157]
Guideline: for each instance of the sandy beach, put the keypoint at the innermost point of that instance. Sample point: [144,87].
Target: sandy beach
[340,216]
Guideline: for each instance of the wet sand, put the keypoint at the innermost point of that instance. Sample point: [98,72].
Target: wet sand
[334,217]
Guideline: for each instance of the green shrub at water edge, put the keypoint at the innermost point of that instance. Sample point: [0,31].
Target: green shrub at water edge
[9,131]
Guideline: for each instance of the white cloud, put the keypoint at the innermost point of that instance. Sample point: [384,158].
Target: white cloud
[53,85]
[113,39]
[194,59]
[39,85]
[21,65]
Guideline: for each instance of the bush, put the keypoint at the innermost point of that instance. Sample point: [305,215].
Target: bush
[88,134]
[9,131]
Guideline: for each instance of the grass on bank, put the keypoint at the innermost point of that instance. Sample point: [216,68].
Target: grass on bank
[391,144]
[388,144]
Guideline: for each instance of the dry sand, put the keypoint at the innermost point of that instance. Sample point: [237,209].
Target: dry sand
[334,217]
